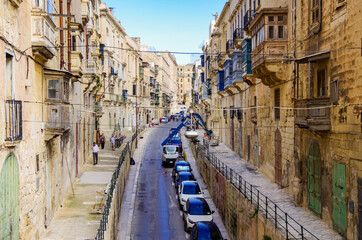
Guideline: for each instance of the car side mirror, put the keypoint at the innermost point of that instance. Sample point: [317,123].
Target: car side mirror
[212,212]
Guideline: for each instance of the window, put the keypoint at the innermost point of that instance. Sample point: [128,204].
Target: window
[134,92]
[280,18]
[53,89]
[277,104]
[322,82]
[315,11]
[270,32]
[74,43]
[66,90]
[280,32]
[188,80]
[271,18]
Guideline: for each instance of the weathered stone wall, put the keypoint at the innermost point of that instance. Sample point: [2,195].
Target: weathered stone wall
[241,218]
[114,213]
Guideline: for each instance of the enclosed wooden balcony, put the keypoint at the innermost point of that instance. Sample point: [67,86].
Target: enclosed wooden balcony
[43,34]
[58,120]
[313,113]
[270,45]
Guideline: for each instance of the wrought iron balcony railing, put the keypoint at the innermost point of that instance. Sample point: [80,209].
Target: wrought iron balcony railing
[230,45]
[13,120]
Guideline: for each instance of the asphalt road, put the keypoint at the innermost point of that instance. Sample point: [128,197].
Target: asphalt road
[156,214]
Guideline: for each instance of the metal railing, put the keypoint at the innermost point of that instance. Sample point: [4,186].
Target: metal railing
[104,220]
[263,204]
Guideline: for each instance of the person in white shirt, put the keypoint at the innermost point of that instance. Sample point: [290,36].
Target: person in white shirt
[95,150]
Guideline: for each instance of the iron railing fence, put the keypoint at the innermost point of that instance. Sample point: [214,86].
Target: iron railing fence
[263,204]
[104,220]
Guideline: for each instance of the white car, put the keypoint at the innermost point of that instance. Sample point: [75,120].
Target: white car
[196,210]
[188,189]
[164,120]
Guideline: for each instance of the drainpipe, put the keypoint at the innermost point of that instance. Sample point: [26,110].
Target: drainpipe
[61,34]
[69,38]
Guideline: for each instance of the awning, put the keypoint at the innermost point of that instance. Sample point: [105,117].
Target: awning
[313,57]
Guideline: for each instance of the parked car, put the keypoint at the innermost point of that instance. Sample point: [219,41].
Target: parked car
[196,210]
[164,120]
[155,121]
[188,189]
[169,154]
[180,166]
[183,176]
[205,231]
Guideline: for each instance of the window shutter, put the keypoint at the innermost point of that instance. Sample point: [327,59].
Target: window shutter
[232,113]
[334,91]
[277,104]
[225,113]
[239,114]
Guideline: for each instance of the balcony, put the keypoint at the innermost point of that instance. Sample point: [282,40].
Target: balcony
[271,46]
[202,57]
[228,77]
[230,46]
[85,11]
[238,36]
[313,114]
[220,81]
[77,63]
[90,67]
[248,18]
[156,70]
[221,60]
[98,109]
[43,35]
[13,120]
[202,77]
[58,120]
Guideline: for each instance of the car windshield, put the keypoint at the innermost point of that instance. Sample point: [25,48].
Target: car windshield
[182,168]
[191,189]
[207,235]
[199,209]
[170,149]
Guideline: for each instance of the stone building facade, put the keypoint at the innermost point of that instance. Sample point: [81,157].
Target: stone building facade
[62,85]
[286,97]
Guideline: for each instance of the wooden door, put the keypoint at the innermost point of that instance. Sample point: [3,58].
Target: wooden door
[241,142]
[232,134]
[256,148]
[9,199]
[314,178]
[339,198]
[278,158]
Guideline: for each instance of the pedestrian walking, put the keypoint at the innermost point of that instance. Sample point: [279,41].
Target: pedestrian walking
[103,140]
[113,142]
[95,150]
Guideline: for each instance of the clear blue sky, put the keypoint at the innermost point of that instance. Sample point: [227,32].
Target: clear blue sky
[173,25]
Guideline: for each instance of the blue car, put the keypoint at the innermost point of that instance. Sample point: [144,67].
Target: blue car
[205,231]
[180,166]
[183,176]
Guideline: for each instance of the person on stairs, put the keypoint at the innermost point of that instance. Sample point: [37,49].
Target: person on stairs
[95,150]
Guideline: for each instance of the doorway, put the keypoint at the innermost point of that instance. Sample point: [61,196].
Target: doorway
[278,158]
[9,198]
[314,178]
[339,198]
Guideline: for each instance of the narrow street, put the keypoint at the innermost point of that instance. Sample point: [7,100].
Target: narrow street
[156,214]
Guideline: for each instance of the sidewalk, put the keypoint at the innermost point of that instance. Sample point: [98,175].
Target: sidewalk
[311,222]
[77,219]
